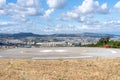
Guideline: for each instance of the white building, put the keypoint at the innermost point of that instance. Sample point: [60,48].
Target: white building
[53,44]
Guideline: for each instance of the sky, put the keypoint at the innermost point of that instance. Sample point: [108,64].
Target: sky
[60,16]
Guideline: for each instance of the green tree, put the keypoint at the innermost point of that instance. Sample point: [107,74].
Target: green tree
[103,41]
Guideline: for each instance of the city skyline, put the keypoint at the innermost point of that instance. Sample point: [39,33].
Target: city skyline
[60,16]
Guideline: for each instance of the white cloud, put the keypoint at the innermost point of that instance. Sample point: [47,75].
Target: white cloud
[103,9]
[20,18]
[70,15]
[2,11]
[117,5]
[113,22]
[91,6]
[82,12]
[87,6]
[21,8]
[104,6]
[71,28]
[29,7]
[28,3]
[104,27]
[12,29]
[7,23]
[48,12]
[2,3]
[56,4]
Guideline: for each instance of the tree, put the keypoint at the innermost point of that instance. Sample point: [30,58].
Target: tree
[106,39]
[103,41]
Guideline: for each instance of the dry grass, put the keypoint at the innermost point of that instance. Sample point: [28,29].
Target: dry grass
[83,69]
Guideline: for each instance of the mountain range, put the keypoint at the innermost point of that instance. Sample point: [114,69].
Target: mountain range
[24,35]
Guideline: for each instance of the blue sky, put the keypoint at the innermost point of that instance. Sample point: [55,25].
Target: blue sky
[60,16]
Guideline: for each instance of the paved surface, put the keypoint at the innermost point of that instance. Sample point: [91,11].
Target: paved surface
[59,53]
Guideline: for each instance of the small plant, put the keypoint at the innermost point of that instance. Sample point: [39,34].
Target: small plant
[59,79]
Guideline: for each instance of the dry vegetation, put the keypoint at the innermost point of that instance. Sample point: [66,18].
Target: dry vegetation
[82,69]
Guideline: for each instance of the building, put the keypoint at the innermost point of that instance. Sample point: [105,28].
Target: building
[53,44]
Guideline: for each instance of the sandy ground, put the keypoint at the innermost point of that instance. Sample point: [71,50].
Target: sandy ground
[75,69]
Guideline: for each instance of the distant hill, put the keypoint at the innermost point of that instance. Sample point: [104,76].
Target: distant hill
[24,35]
[18,35]
[94,35]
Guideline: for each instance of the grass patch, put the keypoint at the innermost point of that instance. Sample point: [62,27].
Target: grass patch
[80,69]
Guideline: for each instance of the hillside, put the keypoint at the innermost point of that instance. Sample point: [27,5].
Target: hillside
[24,35]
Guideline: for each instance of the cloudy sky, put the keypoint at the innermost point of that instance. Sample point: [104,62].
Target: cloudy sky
[60,16]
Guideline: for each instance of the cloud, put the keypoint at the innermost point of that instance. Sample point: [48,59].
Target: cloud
[88,6]
[71,28]
[84,17]
[70,15]
[12,29]
[103,9]
[30,7]
[7,23]
[82,12]
[56,4]
[117,5]
[21,8]
[20,18]
[2,3]
[112,22]
[2,12]
[28,3]
[91,6]
[48,12]
[73,16]
[95,26]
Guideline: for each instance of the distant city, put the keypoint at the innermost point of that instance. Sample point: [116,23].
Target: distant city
[29,40]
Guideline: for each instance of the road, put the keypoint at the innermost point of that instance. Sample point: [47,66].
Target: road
[59,53]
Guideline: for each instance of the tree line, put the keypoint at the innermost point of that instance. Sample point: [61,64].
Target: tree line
[105,41]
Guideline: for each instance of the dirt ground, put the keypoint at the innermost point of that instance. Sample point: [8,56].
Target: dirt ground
[80,69]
